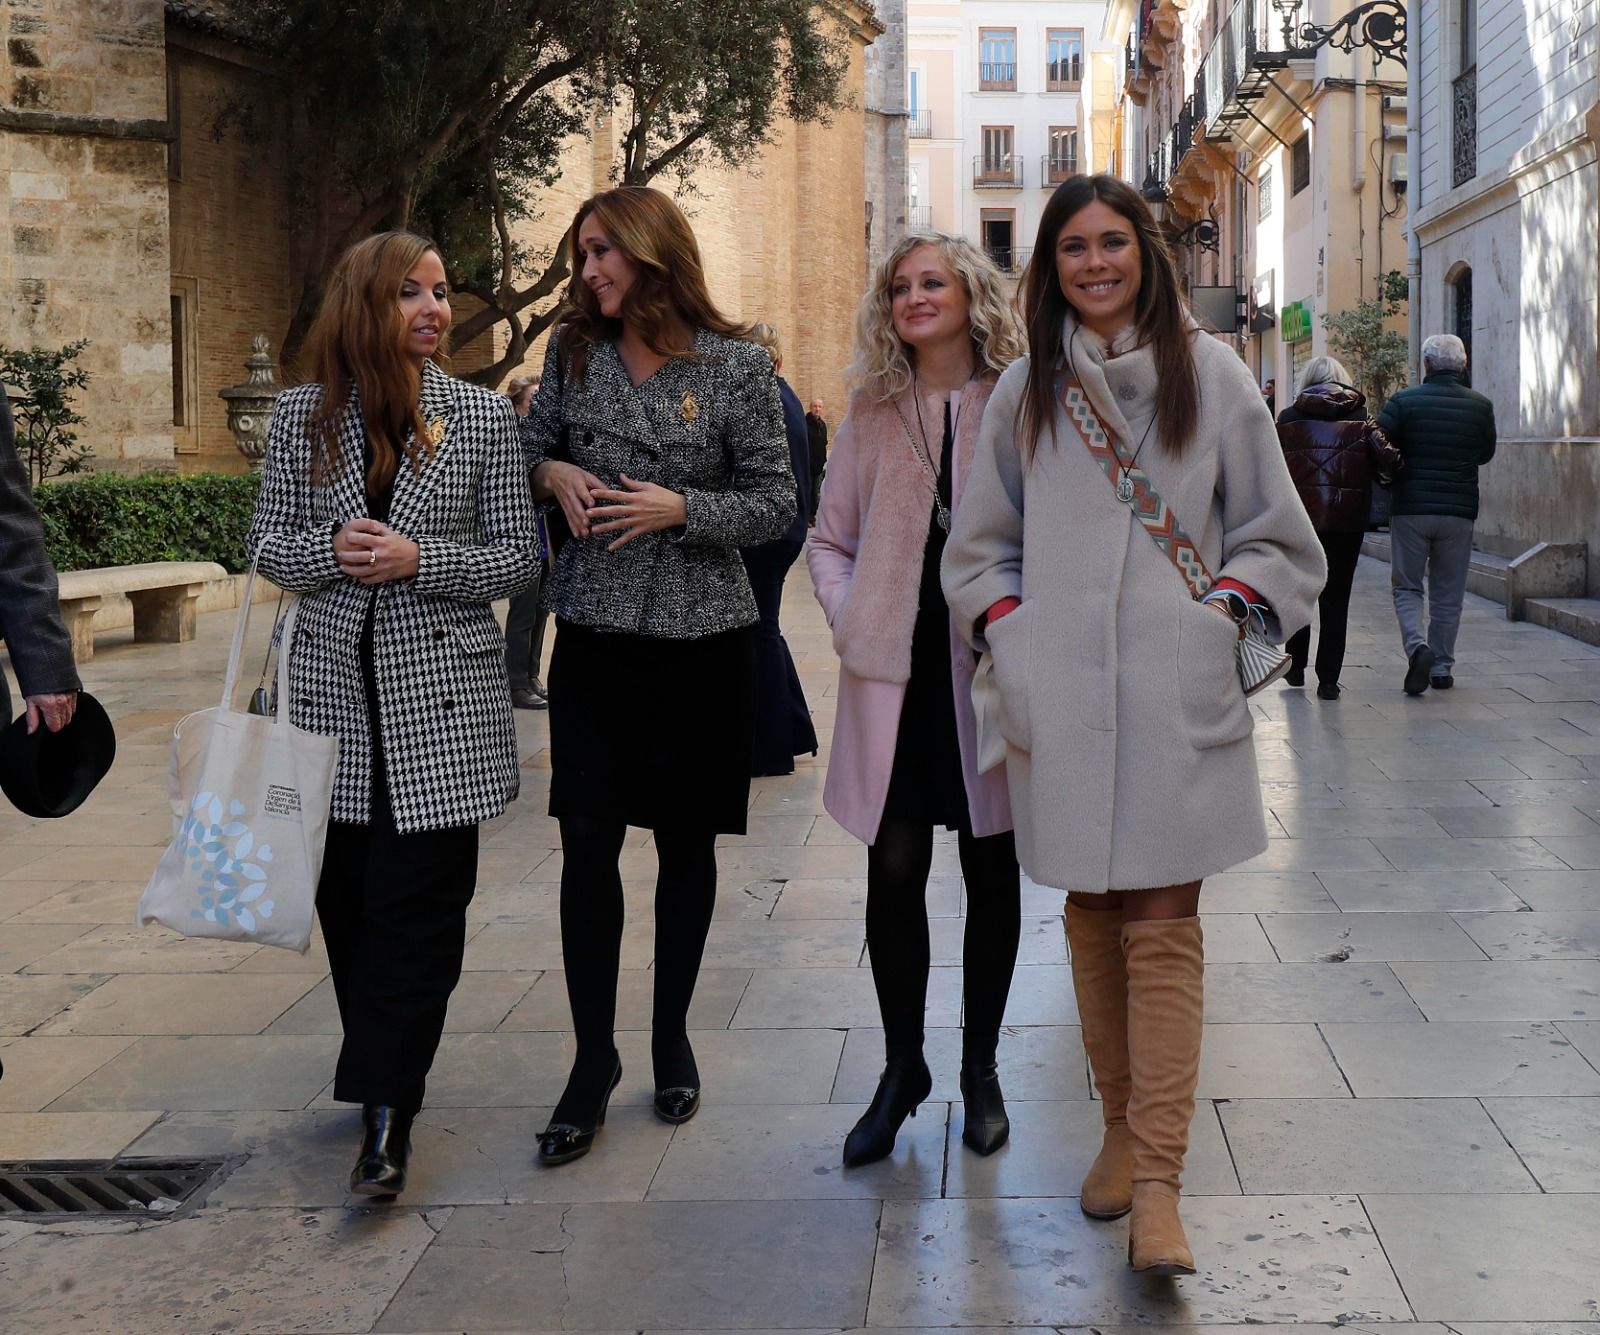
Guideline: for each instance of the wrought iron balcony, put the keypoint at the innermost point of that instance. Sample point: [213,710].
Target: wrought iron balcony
[919,217]
[997,171]
[998,75]
[1464,134]
[919,123]
[1054,168]
[1235,73]
[1010,259]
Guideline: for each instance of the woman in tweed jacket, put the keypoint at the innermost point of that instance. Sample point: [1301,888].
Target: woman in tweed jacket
[394,502]
[659,432]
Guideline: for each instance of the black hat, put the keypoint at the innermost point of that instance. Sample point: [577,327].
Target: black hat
[48,773]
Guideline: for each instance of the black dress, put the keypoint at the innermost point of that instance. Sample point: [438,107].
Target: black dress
[926,783]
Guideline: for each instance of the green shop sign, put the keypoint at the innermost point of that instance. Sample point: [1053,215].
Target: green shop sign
[1295,323]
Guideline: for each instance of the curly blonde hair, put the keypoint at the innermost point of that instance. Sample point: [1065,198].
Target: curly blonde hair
[882,363]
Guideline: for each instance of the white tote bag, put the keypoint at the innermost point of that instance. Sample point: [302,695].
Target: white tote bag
[250,799]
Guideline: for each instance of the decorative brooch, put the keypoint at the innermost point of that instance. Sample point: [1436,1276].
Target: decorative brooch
[689,408]
[434,431]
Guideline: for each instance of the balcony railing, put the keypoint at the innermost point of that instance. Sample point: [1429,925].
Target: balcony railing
[998,75]
[919,217]
[997,171]
[1245,53]
[1064,75]
[1054,168]
[919,123]
[1010,259]
[1464,134]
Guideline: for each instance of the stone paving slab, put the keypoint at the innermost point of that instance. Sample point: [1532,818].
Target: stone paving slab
[1399,1096]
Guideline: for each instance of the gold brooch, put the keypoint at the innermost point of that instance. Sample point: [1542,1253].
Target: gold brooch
[434,431]
[689,408]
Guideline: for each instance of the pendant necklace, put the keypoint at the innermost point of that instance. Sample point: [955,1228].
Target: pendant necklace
[924,451]
[1125,490]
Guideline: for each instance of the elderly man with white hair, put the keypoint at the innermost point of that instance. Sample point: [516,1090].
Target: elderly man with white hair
[1446,432]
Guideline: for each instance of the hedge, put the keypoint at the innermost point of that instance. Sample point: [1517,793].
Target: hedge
[111,520]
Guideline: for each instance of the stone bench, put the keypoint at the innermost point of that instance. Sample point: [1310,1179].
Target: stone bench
[163,594]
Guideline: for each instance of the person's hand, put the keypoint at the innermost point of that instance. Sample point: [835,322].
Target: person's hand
[1220,606]
[573,488]
[373,553]
[54,711]
[641,508]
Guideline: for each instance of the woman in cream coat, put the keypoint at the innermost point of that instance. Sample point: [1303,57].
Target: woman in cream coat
[1128,747]
[933,333]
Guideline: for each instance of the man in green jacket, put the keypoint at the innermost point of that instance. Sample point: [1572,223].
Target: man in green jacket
[1446,433]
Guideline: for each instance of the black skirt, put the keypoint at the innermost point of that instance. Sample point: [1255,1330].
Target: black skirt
[652,732]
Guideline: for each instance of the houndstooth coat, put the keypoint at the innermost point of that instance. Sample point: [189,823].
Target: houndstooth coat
[443,702]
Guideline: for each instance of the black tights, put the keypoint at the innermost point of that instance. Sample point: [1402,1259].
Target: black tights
[591,947]
[897,933]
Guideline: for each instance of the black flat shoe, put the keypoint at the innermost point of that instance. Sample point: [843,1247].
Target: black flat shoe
[903,1085]
[1294,677]
[1328,690]
[1442,683]
[385,1150]
[986,1127]
[677,1104]
[562,1142]
[1418,669]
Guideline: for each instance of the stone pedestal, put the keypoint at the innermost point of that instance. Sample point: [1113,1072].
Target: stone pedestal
[250,404]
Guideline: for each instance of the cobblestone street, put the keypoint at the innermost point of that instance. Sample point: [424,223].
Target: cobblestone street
[1400,1088]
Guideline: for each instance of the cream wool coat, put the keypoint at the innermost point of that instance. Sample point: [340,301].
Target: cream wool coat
[1128,744]
[865,556]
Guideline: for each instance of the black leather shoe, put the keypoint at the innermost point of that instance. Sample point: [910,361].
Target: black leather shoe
[1418,669]
[1328,690]
[677,1104]
[986,1127]
[1443,683]
[562,1142]
[385,1150]
[905,1082]
[1294,677]
[525,697]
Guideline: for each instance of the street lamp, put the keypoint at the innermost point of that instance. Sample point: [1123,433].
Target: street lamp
[1290,10]
[1378,24]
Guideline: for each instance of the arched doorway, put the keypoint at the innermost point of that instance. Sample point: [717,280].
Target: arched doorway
[1460,280]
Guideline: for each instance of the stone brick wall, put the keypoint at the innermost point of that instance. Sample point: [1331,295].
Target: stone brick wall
[84,88]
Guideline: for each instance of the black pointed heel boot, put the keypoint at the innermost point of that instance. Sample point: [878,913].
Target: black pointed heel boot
[905,1082]
[986,1127]
[385,1152]
[562,1142]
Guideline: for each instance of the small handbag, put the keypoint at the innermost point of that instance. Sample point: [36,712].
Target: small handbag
[1259,662]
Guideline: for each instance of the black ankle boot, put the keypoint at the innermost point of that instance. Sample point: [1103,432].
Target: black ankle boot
[563,1141]
[904,1084]
[986,1127]
[385,1149]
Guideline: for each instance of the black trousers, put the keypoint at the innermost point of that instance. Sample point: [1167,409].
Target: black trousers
[1333,609]
[783,727]
[525,625]
[394,913]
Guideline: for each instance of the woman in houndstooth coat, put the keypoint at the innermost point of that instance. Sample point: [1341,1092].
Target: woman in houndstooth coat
[395,502]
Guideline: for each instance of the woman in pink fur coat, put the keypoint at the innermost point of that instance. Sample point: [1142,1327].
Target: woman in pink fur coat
[934,331]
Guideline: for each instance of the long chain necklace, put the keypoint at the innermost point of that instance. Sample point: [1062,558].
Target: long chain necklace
[924,451]
[1125,482]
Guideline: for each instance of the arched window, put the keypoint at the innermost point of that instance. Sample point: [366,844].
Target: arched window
[1461,307]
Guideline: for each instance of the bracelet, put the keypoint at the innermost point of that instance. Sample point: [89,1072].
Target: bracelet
[1236,606]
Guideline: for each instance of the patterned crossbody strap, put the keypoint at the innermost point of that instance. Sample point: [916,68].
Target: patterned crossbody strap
[1154,513]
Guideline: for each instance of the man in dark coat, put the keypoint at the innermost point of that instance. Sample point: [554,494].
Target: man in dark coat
[817,433]
[1446,432]
[30,612]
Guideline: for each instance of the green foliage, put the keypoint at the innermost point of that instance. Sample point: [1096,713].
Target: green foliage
[45,418]
[110,520]
[1361,338]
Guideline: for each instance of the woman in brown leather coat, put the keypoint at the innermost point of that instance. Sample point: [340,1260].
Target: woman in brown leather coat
[1335,453]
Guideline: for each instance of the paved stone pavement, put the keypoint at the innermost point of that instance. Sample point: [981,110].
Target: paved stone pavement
[1400,1115]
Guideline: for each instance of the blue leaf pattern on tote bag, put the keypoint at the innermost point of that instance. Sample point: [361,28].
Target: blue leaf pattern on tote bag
[230,878]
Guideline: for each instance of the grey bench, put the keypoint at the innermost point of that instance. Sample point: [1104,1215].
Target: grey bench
[163,594]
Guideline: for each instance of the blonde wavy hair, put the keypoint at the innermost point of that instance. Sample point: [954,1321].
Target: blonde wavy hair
[882,362]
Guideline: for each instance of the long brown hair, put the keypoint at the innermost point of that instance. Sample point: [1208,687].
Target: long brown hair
[357,344]
[668,299]
[1161,317]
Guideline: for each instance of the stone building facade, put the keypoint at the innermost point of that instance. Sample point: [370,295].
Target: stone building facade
[887,133]
[146,206]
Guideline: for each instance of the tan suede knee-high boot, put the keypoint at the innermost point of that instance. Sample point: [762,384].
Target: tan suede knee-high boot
[1100,980]
[1166,986]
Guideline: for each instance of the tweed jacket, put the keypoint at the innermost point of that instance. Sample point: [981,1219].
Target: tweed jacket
[865,558]
[1128,745]
[444,707]
[30,615]
[708,426]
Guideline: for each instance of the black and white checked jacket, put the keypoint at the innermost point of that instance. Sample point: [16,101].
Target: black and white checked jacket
[708,426]
[443,703]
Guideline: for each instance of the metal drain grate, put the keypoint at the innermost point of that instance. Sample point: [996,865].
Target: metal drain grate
[102,1186]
